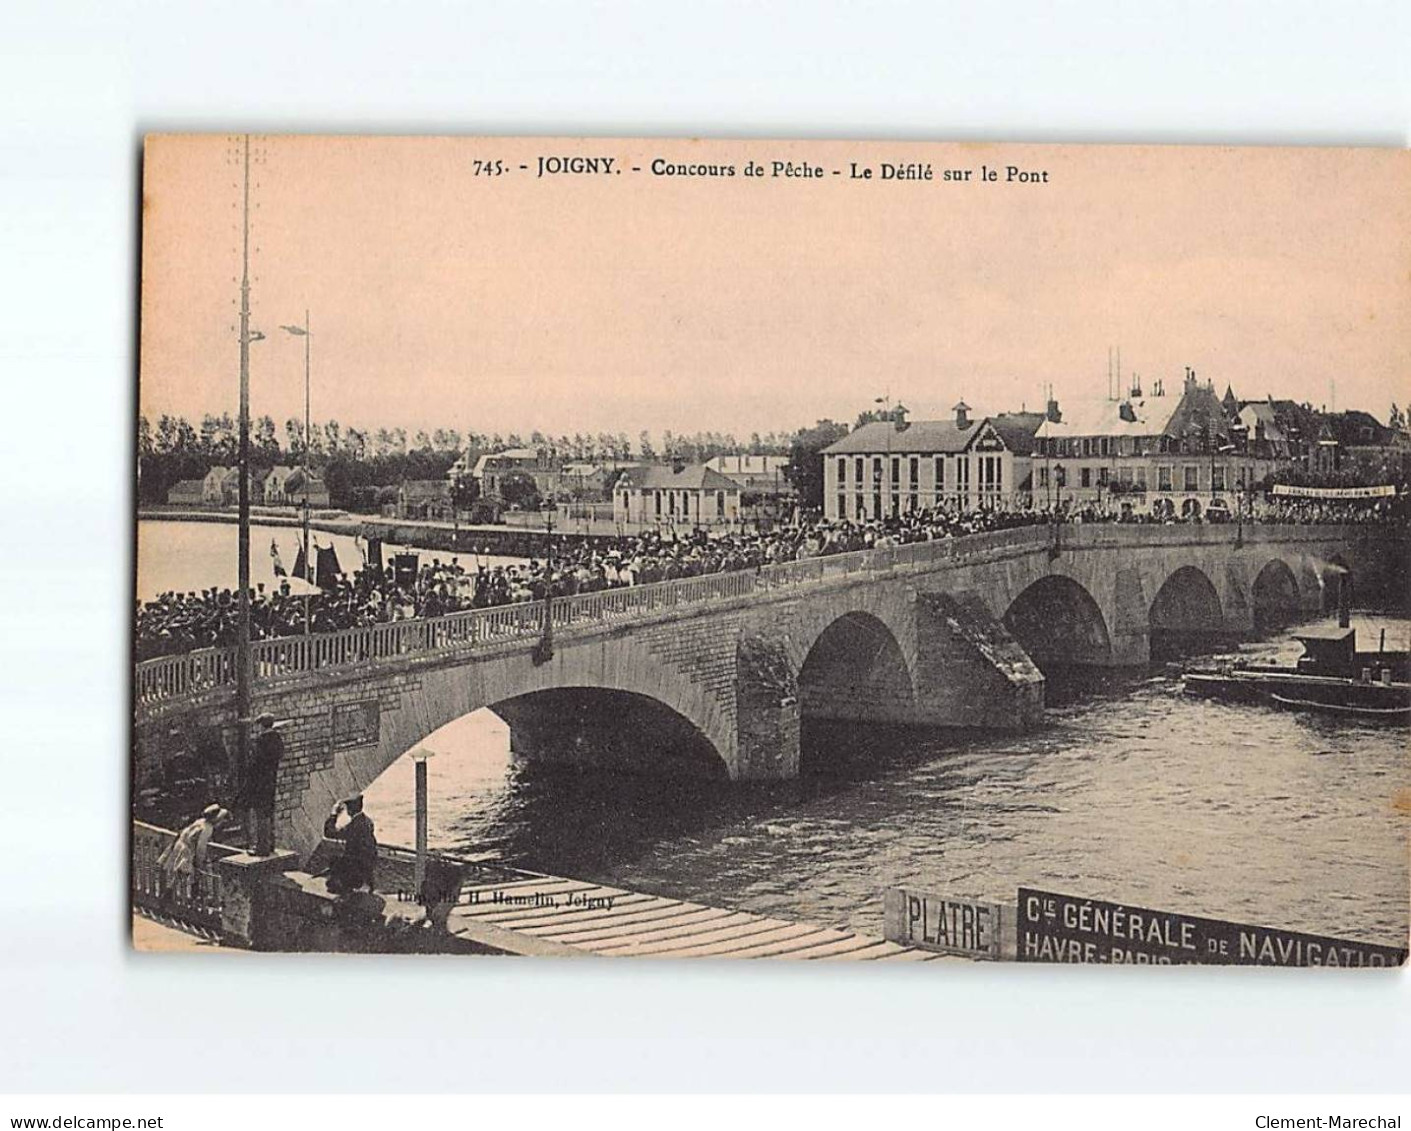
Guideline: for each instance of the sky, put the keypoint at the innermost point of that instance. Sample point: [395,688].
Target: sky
[443,298]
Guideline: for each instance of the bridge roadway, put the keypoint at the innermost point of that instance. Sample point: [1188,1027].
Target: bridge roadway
[714,675]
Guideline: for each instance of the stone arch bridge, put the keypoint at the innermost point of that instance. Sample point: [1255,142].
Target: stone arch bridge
[714,674]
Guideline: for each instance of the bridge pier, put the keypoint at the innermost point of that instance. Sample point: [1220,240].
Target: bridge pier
[970,671]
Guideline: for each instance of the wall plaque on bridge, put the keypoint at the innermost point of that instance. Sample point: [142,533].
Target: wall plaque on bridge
[356,724]
[1066,928]
[963,927]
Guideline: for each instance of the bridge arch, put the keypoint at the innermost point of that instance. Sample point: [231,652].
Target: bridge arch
[1185,615]
[1057,621]
[608,730]
[856,669]
[1275,597]
[596,687]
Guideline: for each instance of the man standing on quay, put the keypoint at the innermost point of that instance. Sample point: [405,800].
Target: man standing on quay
[257,790]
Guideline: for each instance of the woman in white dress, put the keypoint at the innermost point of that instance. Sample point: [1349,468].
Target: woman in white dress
[184,856]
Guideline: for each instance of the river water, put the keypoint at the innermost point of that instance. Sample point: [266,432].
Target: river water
[1132,792]
[191,556]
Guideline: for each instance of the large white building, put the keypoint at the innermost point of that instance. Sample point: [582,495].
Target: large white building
[692,496]
[888,468]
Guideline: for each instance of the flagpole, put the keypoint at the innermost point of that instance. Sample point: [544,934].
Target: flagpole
[242,647]
[308,335]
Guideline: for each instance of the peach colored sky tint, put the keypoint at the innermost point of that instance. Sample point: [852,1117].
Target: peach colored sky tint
[623,302]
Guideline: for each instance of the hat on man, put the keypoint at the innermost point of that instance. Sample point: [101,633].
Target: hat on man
[354,805]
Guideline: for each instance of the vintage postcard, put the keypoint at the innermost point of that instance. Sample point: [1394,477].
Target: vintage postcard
[831,550]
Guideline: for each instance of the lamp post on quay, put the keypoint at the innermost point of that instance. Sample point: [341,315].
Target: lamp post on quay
[303,332]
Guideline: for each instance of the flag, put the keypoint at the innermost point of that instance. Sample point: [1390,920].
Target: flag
[278,565]
[300,565]
[299,330]
[328,567]
[404,569]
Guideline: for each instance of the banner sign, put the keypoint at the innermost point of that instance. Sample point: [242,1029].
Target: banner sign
[948,926]
[1065,928]
[1334,492]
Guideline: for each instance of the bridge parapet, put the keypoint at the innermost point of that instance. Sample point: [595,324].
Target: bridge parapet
[194,675]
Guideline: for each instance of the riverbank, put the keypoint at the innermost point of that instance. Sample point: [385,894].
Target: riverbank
[496,541]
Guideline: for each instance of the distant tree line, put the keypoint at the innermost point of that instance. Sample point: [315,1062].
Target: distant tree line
[362,467]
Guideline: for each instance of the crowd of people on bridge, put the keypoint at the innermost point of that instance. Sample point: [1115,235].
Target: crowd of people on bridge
[176,623]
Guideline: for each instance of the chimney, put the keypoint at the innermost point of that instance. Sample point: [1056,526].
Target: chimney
[962,415]
[1051,410]
[1127,412]
[899,420]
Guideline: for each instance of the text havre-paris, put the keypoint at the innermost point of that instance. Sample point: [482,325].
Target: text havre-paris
[1062,928]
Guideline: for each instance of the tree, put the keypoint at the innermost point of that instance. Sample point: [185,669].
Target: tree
[644,446]
[805,469]
[465,491]
[185,440]
[518,488]
[267,438]
[166,434]
[144,437]
[1396,419]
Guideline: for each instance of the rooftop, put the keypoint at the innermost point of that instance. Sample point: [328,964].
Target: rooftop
[657,477]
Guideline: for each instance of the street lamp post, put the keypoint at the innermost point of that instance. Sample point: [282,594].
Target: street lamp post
[304,332]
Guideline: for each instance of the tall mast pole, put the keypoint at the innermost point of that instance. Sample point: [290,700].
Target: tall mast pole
[242,652]
[308,337]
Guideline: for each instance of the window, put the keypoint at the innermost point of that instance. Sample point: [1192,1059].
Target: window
[915,473]
[877,504]
[1141,479]
[1043,477]
[842,472]
[857,468]
[720,503]
[1192,477]
[657,495]
[1163,478]
[1085,477]
[1124,476]
[1217,478]
[940,472]
[861,506]
[896,472]
[911,502]
[877,469]
[842,511]
[1102,477]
